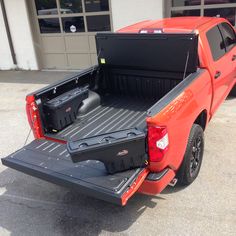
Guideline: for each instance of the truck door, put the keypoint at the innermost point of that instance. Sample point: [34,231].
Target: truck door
[221,66]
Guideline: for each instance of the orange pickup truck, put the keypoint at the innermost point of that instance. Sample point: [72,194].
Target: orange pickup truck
[134,122]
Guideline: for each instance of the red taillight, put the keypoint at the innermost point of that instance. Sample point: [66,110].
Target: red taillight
[158,142]
[33,116]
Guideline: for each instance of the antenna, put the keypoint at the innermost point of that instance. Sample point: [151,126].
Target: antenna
[186,65]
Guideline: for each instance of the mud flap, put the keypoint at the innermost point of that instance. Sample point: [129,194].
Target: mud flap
[51,161]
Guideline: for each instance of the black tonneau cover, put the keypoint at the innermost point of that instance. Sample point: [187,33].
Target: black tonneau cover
[161,52]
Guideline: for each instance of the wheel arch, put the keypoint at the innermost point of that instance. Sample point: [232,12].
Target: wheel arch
[201,119]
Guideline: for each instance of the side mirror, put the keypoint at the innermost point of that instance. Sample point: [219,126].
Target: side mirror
[229,41]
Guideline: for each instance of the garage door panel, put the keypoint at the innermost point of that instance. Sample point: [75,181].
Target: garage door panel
[92,44]
[53,44]
[54,61]
[77,44]
[94,60]
[79,61]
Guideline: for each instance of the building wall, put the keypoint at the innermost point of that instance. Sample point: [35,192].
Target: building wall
[21,36]
[127,12]
[5,54]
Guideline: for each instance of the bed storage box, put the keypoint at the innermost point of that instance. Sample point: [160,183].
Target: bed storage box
[61,111]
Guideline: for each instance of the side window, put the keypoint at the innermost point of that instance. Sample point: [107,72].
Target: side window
[216,43]
[229,35]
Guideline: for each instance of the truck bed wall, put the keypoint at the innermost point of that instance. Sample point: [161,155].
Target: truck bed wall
[142,84]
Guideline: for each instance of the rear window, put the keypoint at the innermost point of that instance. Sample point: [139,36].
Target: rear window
[216,43]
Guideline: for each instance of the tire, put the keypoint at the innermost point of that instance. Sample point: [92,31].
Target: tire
[192,161]
[233,91]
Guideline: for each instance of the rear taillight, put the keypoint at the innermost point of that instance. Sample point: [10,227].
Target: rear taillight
[33,116]
[158,142]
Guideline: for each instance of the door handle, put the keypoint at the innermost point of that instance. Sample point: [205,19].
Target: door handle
[234,58]
[217,74]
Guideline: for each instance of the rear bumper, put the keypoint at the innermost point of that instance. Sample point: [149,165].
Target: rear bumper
[156,182]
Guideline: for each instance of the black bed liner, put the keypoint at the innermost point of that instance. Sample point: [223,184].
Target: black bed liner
[50,161]
[114,114]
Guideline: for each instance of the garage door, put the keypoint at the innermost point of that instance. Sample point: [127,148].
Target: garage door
[66,29]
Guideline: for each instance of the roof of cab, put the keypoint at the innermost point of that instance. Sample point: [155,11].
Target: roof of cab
[175,24]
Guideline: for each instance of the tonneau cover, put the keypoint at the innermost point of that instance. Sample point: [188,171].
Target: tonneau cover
[161,52]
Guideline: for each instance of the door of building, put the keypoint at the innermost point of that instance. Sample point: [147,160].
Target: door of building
[66,30]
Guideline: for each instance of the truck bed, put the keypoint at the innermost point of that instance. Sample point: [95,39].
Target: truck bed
[115,113]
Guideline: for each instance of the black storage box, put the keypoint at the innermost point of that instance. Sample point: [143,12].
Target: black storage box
[119,150]
[62,110]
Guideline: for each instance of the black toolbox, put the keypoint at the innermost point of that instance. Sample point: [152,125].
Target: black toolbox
[119,150]
[62,110]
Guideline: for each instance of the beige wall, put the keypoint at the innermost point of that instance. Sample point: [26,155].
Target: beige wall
[127,12]
[5,53]
[21,37]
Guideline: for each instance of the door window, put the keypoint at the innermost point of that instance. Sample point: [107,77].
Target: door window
[229,36]
[216,43]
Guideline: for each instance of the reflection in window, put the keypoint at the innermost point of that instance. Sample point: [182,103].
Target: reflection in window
[70,6]
[228,13]
[73,24]
[185,13]
[96,5]
[216,43]
[46,7]
[229,36]
[210,2]
[180,3]
[49,25]
[98,23]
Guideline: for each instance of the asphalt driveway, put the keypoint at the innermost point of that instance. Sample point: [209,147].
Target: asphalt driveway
[29,206]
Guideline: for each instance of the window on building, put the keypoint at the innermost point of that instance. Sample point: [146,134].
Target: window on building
[49,25]
[211,2]
[46,7]
[98,23]
[69,16]
[70,6]
[180,3]
[228,13]
[212,8]
[96,5]
[73,24]
[185,13]
[216,43]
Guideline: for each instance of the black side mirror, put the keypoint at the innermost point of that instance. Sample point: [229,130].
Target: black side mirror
[229,41]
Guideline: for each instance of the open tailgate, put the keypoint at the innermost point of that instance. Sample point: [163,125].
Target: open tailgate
[50,161]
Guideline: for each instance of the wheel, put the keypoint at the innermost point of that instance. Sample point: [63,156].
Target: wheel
[192,161]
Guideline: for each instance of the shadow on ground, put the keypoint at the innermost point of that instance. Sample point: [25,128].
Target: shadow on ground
[49,208]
